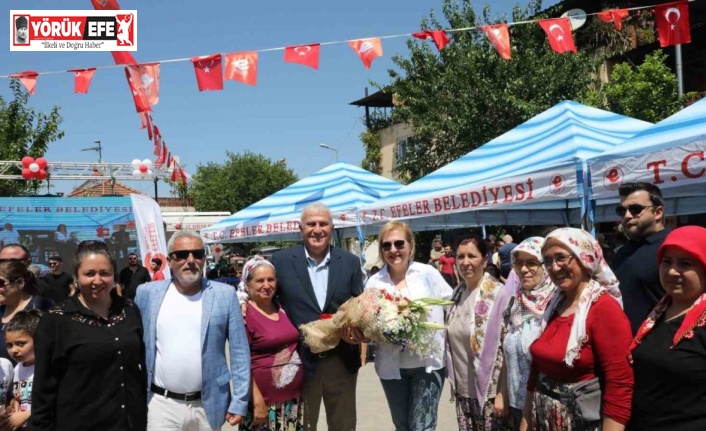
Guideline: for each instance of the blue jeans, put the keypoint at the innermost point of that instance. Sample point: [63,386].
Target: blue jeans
[414,399]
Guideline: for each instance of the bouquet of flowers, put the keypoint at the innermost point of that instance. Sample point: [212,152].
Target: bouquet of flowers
[381,316]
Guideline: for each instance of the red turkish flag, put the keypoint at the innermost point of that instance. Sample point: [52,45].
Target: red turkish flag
[162,155]
[138,96]
[673,23]
[438,36]
[170,160]
[157,142]
[123,57]
[367,49]
[28,79]
[175,173]
[615,16]
[105,4]
[209,72]
[146,77]
[82,79]
[146,120]
[306,55]
[242,67]
[558,32]
[499,36]
[182,175]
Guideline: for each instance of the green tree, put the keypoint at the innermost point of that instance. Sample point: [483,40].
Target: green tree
[646,92]
[466,95]
[24,132]
[240,181]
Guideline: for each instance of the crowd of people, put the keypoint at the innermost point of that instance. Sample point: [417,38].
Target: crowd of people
[559,342]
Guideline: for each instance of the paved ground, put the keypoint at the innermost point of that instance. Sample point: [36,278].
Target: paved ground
[373,414]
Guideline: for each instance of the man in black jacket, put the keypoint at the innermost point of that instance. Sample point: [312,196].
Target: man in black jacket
[313,280]
[635,265]
[132,276]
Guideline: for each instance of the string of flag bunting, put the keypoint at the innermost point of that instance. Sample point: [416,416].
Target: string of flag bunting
[672,21]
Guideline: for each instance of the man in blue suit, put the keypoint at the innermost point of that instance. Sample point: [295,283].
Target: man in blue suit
[314,279]
[187,322]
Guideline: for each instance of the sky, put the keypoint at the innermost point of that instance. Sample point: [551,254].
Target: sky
[292,110]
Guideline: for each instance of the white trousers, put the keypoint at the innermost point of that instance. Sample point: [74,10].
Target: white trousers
[166,414]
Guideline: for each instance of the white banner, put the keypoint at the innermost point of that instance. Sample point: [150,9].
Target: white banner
[150,233]
[275,226]
[672,167]
[549,185]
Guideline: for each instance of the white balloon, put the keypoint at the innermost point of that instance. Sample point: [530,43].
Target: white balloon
[149,172]
[136,164]
[136,173]
[147,162]
[34,167]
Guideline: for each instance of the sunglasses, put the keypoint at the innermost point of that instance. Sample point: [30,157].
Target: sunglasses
[92,245]
[635,209]
[399,245]
[4,283]
[184,254]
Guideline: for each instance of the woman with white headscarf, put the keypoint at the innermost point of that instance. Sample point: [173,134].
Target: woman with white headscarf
[580,378]
[277,375]
[522,324]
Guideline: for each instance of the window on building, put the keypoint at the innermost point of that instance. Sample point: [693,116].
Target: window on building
[404,146]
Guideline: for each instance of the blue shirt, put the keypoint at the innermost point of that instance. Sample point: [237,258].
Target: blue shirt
[318,274]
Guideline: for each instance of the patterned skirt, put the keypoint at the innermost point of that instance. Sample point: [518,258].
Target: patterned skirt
[471,417]
[286,416]
[551,414]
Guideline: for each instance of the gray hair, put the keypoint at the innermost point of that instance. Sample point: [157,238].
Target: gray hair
[316,207]
[36,270]
[186,233]
[507,238]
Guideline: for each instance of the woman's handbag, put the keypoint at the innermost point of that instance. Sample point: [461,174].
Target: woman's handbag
[586,399]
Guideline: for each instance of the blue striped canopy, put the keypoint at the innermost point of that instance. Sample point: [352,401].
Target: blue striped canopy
[560,138]
[342,187]
[675,146]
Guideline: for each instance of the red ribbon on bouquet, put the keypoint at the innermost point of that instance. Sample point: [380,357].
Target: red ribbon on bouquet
[326,316]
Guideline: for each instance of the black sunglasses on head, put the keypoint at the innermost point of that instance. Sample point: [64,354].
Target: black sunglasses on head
[399,245]
[635,209]
[92,245]
[184,254]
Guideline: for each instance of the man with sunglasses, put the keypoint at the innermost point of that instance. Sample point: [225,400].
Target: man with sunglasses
[313,280]
[132,276]
[189,322]
[635,265]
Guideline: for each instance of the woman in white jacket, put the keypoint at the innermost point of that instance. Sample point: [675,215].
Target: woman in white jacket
[412,384]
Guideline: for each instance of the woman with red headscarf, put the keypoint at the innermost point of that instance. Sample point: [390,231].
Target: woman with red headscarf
[668,353]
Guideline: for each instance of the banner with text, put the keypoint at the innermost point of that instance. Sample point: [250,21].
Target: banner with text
[556,184]
[150,234]
[54,226]
[672,167]
[275,225]
[73,30]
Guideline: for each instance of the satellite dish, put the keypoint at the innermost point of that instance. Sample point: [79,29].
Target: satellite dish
[577,17]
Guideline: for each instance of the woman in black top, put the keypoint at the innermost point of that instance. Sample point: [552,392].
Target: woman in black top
[18,291]
[669,351]
[89,355]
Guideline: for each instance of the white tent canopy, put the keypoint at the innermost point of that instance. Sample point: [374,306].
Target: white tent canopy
[536,168]
[342,187]
[670,154]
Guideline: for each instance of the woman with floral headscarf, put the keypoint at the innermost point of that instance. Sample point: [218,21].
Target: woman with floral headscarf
[668,353]
[277,375]
[522,325]
[580,378]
